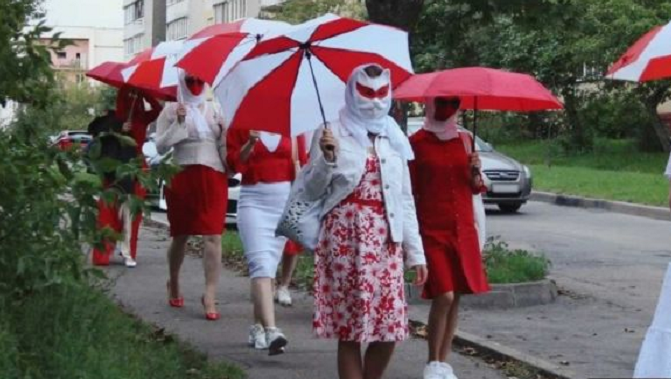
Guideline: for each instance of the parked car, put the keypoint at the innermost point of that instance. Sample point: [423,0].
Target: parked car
[154,159]
[508,182]
[68,139]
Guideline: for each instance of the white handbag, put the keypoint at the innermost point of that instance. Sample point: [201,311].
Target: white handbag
[300,221]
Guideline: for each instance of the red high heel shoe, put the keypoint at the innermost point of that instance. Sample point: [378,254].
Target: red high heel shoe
[177,302]
[210,316]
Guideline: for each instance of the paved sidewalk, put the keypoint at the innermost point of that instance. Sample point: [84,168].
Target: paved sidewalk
[142,291]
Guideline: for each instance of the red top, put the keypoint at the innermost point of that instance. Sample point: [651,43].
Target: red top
[140,118]
[264,166]
[442,186]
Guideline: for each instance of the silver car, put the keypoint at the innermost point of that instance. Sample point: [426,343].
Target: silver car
[508,182]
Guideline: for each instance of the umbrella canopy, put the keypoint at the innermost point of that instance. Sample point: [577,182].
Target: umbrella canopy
[648,59]
[212,52]
[481,88]
[157,73]
[108,73]
[292,83]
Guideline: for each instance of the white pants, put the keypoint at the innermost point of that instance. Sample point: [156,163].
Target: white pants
[127,221]
[259,211]
[654,359]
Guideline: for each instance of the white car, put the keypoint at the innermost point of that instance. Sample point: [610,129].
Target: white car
[153,159]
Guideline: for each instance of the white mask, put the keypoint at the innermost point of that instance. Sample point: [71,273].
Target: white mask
[372,96]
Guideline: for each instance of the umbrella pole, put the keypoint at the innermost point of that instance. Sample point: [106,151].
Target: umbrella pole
[308,56]
[475,122]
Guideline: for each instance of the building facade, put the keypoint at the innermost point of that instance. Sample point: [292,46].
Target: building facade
[90,47]
[144,25]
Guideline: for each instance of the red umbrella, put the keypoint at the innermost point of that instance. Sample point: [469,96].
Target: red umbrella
[481,88]
[108,73]
[212,52]
[648,59]
[273,88]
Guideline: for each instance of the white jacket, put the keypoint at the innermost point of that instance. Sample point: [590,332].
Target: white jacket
[333,182]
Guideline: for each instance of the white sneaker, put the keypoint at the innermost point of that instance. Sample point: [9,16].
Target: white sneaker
[276,341]
[436,370]
[449,373]
[283,296]
[129,262]
[257,337]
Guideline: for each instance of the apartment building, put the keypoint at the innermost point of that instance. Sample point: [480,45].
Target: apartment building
[144,25]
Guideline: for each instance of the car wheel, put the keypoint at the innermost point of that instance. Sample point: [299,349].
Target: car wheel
[510,208]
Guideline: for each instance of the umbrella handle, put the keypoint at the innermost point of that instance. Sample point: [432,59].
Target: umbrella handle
[308,56]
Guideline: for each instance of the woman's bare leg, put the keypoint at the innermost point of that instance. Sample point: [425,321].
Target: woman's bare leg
[212,268]
[349,360]
[377,359]
[175,254]
[438,320]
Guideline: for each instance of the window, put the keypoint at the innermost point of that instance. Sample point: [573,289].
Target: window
[229,11]
[62,55]
[177,29]
[171,2]
[134,11]
[133,45]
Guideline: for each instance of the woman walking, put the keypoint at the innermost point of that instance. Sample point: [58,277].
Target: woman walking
[197,196]
[369,227]
[445,178]
[268,164]
[130,110]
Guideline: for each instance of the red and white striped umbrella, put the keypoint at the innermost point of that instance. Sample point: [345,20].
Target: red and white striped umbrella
[292,83]
[211,53]
[158,73]
[648,59]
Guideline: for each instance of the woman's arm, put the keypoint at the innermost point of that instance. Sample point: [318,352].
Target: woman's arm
[319,172]
[412,241]
[168,131]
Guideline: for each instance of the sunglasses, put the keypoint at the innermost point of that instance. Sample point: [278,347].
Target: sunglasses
[451,102]
[191,80]
[370,93]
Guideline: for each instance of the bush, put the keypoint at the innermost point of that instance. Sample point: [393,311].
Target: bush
[513,266]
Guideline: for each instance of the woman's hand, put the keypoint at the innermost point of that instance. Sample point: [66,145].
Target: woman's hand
[254,136]
[126,127]
[421,275]
[181,113]
[328,145]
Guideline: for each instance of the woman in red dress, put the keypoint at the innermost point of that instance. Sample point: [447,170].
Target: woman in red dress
[444,178]
[197,196]
[130,109]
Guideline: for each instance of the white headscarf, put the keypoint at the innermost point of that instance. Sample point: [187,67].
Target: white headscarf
[444,130]
[362,116]
[193,104]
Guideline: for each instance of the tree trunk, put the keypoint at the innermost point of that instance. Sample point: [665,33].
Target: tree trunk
[399,13]
[402,14]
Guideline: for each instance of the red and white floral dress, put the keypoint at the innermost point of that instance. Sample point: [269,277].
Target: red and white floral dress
[358,286]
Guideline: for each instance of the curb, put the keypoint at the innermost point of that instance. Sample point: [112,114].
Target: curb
[497,350]
[656,213]
[501,296]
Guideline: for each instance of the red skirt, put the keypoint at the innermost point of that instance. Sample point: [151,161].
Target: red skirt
[292,248]
[197,199]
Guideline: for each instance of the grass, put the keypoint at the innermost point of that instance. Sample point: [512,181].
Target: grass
[502,264]
[506,266]
[614,171]
[79,333]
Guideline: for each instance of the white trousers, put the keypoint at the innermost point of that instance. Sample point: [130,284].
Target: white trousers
[654,359]
[127,222]
[259,211]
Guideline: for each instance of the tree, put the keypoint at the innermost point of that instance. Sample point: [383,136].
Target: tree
[25,65]
[298,11]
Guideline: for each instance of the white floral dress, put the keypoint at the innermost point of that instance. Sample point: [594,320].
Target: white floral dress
[358,286]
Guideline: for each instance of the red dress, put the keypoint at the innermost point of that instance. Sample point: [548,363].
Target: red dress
[441,180]
[358,286]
